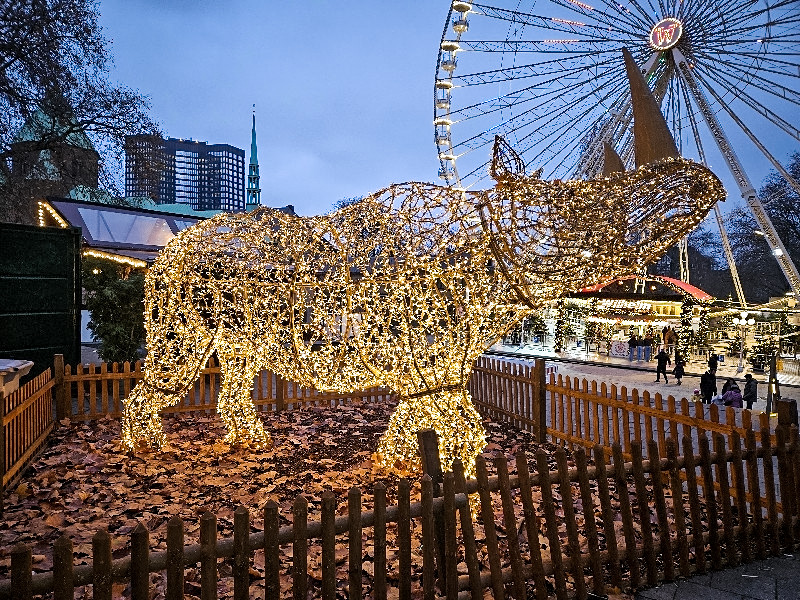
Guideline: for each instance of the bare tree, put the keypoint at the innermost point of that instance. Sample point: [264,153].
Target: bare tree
[55,90]
[760,274]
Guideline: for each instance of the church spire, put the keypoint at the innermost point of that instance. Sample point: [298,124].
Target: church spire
[253,179]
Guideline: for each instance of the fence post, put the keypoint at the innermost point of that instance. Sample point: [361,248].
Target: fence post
[428,442]
[787,414]
[280,393]
[2,450]
[539,400]
[62,405]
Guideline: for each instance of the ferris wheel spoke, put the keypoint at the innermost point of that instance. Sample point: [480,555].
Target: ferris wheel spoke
[591,13]
[746,61]
[497,103]
[529,70]
[537,21]
[757,106]
[478,108]
[767,85]
[753,138]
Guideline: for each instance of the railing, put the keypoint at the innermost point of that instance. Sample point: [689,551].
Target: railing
[463,553]
[26,419]
[578,412]
[96,391]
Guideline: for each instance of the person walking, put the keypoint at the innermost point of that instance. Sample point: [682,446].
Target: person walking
[662,358]
[713,361]
[648,346]
[708,385]
[632,343]
[679,367]
[750,391]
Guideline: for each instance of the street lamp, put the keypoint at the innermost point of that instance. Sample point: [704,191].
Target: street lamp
[743,323]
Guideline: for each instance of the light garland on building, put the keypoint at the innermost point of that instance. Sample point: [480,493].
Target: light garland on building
[44,207]
[404,289]
[123,260]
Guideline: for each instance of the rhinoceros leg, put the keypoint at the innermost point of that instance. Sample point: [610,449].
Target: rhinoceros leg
[141,419]
[235,405]
[450,413]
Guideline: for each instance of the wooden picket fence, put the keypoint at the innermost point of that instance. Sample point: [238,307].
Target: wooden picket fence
[629,540]
[96,391]
[578,412]
[26,419]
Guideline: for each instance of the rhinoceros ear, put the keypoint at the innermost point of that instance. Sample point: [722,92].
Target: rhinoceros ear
[652,138]
[505,161]
[612,163]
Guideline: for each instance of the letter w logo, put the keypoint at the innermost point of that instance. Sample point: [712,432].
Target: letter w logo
[665,34]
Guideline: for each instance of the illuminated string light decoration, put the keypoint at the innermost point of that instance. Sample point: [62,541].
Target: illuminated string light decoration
[404,289]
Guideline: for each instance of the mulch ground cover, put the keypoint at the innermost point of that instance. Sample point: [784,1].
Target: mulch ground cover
[83,482]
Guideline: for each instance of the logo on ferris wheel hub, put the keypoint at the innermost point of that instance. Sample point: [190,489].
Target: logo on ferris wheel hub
[666,33]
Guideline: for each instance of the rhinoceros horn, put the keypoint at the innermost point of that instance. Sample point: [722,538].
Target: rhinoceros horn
[652,138]
[612,163]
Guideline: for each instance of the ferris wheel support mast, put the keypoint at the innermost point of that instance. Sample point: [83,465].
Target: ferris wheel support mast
[742,180]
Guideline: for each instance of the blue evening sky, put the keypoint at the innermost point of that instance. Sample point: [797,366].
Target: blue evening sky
[343,91]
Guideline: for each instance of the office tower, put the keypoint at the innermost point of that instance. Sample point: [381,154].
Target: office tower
[177,171]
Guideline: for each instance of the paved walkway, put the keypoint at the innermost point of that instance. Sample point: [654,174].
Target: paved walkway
[772,579]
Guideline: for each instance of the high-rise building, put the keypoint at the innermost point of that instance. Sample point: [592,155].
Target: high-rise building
[253,178]
[176,171]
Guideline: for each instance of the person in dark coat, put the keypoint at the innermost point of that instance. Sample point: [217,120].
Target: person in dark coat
[708,385]
[632,343]
[648,346]
[733,397]
[679,367]
[663,360]
[713,361]
[750,391]
[729,383]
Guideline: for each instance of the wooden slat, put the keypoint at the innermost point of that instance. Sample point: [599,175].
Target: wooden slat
[665,541]
[532,527]
[489,530]
[645,523]
[621,484]
[694,505]
[608,516]
[568,508]
[551,524]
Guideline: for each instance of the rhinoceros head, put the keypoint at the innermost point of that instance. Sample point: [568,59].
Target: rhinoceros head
[554,237]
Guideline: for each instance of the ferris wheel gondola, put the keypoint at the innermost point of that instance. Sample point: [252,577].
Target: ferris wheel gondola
[548,75]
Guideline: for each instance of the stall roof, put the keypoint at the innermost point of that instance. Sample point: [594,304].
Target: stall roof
[124,233]
[676,285]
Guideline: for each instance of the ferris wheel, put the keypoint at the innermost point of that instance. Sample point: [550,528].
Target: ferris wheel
[549,76]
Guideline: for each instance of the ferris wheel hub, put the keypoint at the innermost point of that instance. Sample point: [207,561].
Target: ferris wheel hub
[666,34]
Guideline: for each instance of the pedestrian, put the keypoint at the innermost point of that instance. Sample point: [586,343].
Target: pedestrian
[672,340]
[713,360]
[632,347]
[733,397]
[648,346]
[750,391]
[729,383]
[639,348]
[678,371]
[708,385]
[663,360]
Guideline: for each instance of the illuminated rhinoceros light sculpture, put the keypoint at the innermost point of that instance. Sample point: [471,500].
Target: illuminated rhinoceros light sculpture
[404,289]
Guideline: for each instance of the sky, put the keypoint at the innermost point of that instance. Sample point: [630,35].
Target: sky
[343,92]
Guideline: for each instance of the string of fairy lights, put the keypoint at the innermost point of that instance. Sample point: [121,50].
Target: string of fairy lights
[404,289]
